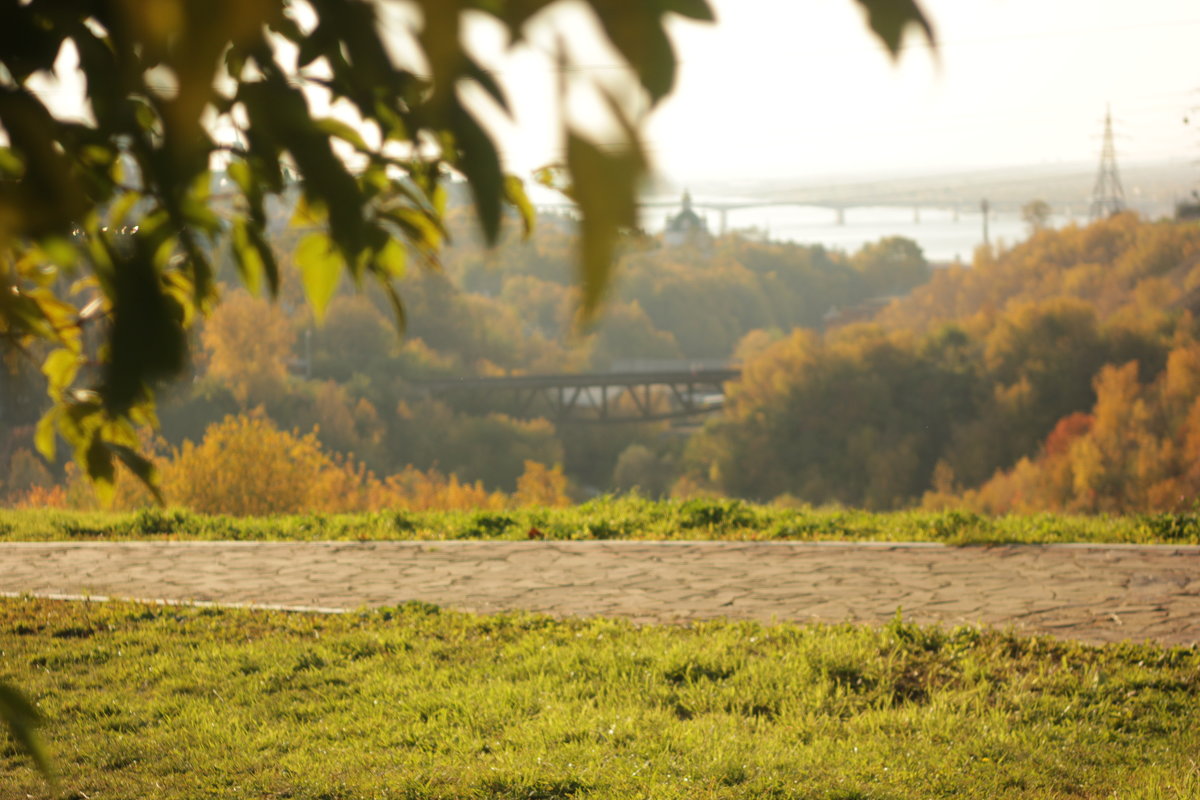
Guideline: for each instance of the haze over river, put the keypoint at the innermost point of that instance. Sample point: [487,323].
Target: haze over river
[941,235]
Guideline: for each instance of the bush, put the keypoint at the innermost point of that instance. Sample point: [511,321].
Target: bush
[247,466]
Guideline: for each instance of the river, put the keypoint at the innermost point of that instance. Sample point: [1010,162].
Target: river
[942,235]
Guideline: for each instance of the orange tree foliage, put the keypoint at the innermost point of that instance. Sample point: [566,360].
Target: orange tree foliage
[249,345]
[971,373]
[245,465]
[1138,448]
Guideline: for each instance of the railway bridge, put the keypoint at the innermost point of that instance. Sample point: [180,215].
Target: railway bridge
[602,397]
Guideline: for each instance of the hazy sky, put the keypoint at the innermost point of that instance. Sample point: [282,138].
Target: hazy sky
[779,88]
[798,89]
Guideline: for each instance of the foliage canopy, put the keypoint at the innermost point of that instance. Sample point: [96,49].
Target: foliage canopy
[109,224]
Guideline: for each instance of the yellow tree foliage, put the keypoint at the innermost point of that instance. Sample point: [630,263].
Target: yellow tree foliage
[247,466]
[249,344]
[417,490]
[1138,450]
[540,485]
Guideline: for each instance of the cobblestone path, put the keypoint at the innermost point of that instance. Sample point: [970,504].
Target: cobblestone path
[1089,593]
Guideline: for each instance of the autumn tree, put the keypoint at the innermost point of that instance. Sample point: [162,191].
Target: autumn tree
[260,70]
[248,343]
[247,466]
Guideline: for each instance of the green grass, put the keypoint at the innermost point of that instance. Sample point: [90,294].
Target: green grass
[609,518]
[156,702]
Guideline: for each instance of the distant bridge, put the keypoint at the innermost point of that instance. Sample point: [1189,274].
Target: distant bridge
[1150,189]
[602,397]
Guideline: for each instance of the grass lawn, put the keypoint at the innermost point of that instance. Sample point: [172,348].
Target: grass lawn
[611,518]
[155,702]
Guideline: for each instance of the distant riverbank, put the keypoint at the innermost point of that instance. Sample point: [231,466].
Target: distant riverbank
[944,236]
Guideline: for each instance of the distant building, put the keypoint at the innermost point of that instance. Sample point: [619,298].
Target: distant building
[687,227]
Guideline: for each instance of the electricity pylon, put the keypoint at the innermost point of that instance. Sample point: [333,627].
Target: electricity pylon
[1108,197]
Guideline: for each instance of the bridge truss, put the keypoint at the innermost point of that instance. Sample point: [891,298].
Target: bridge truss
[603,397]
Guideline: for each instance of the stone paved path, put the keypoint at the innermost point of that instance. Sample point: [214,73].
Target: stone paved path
[1090,593]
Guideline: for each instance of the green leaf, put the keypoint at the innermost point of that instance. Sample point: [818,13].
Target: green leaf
[45,436]
[60,368]
[605,189]
[121,208]
[246,256]
[392,259]
[889,19]
[320,266]
[10,165]
[480,164]
[514,193]
[243,175]
[98,462]
[692,9]
[141,467]
[23,720]
[335,127]
[308,213]
[148,342]
[398,315]
[637,31]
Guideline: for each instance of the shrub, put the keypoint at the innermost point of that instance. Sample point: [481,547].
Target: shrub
[247,466]
[540,485]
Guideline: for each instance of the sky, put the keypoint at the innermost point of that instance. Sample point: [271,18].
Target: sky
[801,90]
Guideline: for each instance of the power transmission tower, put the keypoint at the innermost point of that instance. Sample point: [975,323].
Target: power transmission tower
[1108,197]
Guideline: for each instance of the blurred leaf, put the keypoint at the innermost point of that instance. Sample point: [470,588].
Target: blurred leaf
[148,342]
[98,461]
[308,214]
[23,720]
[392,259]
[320,268]
[281,112]
[60,368]
[605,190]
[335,127]
[487,83]
[398,314]
[140,467]
[637,31]
[890,18]
[692,9]
[480,164]
[514,193]
[45,435]
[121,207]
[247,257]
[251,188]
[10,165]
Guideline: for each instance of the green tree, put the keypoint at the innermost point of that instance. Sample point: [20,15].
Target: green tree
[123,204]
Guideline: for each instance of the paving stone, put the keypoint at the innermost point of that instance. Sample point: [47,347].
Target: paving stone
[1093,593]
